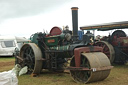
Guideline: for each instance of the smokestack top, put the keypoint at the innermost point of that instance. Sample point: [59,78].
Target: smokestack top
[74,8]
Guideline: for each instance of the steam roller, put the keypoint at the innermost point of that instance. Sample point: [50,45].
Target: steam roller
[94,66]
[51,51]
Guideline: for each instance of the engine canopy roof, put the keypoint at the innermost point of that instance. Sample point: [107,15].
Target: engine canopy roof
[107,26]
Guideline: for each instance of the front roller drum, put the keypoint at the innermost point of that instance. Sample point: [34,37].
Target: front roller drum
[98,65]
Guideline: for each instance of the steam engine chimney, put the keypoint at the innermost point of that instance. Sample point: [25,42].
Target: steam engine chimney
[75,22]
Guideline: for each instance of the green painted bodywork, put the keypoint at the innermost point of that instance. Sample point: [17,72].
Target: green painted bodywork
[53,40]
[52,43]
[33,38]
[63,48]
[63,51]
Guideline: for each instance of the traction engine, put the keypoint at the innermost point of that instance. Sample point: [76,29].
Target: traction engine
[117,43]
[115,46]
[51,51]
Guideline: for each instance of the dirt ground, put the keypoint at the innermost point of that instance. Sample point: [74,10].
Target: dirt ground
[6,65]
[118,76]
[3,64]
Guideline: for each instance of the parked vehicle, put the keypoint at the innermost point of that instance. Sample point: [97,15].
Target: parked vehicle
[9,43]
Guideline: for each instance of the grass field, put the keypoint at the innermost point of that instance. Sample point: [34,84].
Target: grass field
[118,76]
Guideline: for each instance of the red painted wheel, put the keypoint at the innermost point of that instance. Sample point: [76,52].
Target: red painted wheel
[107,49]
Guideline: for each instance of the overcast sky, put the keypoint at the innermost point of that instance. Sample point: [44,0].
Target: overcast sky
[25,17]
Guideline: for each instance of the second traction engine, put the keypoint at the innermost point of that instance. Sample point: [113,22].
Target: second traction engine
[115,45]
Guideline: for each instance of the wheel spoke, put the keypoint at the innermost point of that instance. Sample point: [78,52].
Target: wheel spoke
[107,52]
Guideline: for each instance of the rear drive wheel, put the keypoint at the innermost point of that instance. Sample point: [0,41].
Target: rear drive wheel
[30,56]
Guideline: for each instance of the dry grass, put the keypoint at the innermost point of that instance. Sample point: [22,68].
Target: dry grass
[6,59]
[118,76]
[6,63]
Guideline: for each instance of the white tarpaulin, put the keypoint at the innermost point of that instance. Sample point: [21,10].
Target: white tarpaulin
[8,78]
